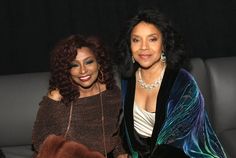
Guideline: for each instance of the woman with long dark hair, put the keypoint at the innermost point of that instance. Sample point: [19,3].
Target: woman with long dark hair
[164,113]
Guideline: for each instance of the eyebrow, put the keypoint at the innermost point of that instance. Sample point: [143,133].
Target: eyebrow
[88,58]
[153,34]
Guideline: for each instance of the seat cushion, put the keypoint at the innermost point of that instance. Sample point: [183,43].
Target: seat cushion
[223,89]
[199,73]
[222,75]
[18,151]
[20,95]
[228,139]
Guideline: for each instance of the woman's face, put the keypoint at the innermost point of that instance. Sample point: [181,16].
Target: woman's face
[84,71]
[146,44]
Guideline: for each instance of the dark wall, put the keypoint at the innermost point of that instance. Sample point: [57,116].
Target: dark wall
[29,28]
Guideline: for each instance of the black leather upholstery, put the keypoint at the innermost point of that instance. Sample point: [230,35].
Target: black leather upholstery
[216,79]
[19,98]
[222,77]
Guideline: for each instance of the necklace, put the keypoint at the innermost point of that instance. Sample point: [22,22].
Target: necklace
[103,123]
[152,85]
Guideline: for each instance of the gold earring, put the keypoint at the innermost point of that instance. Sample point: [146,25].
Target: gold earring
[100,76]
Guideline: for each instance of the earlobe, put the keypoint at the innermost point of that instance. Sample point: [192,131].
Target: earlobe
[163,47]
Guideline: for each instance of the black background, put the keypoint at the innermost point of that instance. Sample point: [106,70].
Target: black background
[30,28]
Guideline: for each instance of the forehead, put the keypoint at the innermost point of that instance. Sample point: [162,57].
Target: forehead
[84,53]
[144,28]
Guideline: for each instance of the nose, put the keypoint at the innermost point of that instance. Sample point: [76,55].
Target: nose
[144,45]
[83,69]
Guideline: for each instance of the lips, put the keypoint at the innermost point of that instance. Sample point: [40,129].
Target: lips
[85,78]
[144,56]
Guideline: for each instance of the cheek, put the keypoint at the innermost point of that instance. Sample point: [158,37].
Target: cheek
[134,48]
[95,68]
[95,71]
[96,74]
[157,48]
[73,72]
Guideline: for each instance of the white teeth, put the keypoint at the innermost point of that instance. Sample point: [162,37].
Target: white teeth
[84,78]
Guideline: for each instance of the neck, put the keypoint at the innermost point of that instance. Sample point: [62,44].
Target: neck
[153,73]
[151,85]
[93,90]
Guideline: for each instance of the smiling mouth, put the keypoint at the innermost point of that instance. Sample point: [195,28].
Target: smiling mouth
[144,56]
[85,78]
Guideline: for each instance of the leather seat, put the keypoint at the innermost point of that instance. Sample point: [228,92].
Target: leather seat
[216,79]
[222,77]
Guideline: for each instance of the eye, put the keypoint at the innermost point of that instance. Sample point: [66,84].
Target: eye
[89,62]
[135,40]
[74,65]
[153,39]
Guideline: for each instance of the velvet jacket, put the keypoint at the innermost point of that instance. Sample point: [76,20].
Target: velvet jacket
[181,129]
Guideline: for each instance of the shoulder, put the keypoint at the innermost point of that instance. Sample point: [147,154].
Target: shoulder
[115,90]
[185,84]
[113,94]
[52,98]
[55,95]
[186,74]
[186,77]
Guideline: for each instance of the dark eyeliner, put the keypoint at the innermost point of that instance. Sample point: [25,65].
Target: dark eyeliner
[73,65]
[89,61]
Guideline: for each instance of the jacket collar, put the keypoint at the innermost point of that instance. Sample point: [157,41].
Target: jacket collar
[162,101]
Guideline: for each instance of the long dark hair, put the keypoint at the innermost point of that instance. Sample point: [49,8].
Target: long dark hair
[65,52]
[173,42]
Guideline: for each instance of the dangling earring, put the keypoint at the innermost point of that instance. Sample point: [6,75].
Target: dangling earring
[163,57]
[100,76]
[133,59]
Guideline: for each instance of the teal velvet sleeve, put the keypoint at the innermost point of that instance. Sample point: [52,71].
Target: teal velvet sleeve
[187,125]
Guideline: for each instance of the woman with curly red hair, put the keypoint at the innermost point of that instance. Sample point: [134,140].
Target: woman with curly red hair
[83,102]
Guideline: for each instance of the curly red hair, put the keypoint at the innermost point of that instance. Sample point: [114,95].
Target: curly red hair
[60,64]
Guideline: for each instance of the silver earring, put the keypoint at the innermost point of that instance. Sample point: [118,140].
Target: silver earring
[133,59]
[163,57]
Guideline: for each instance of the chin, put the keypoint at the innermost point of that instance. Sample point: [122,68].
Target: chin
[145,66]
[87,85]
